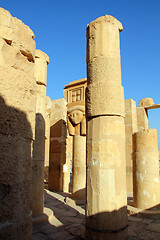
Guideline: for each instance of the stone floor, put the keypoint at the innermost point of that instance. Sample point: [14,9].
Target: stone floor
[67,222]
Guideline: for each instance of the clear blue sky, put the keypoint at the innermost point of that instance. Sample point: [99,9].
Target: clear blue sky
[60,31]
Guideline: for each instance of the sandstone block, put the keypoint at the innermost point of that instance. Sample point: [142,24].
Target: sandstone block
[17,34]
[41,61]
[6,25]
[15,184]
[145,102]
[22,98]
[12,57]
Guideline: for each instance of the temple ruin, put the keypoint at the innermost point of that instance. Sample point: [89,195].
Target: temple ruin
[93,147]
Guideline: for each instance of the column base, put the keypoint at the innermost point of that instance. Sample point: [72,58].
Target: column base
[92,234]
[44,217]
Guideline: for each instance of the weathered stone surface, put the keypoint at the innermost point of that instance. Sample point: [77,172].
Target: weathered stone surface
[58,135]
[47,136]
[41,60]
[18,230]
[103,68]
[106,211]
[17,126]
[37,187]
[17,34]
[76,118]
[142,118]
[77,128]
[11,56]
[145,102]
[130,128]
[79,167]
[105,168]
[106,175]
[146,169]
[75,91]
[41,100]
[40,74]
[15,179]
[22,98]
[66,165]
[6,24]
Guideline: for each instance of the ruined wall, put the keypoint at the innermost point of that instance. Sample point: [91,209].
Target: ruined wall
[58,167]
[17,126]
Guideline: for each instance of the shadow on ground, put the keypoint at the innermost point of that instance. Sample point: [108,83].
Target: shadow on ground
[67,221]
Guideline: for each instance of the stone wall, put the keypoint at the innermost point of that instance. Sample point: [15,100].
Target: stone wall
[17,126]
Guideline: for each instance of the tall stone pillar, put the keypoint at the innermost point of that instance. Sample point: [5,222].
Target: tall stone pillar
[146,170]
[106,212]
[40,73]
[130,129]
[59,169]
[66,183]
[17,126]
[79,167]
[77,129]
[47,137]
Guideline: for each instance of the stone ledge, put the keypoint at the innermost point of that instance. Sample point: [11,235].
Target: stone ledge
[71,201]
[144,213]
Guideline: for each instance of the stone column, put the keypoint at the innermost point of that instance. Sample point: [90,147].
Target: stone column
[66,167]
[17,126]
[58,167]
[47,137]
[106,212]
[79,167]
[146,170]
[40,73]
[130,129]
[77,129]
